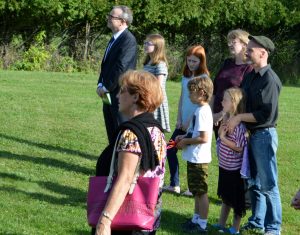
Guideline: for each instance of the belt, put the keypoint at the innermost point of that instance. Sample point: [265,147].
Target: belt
[252,132]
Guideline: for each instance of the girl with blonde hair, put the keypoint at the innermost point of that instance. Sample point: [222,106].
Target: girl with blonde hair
[157,64]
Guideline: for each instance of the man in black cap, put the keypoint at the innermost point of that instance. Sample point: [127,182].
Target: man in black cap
[262,87]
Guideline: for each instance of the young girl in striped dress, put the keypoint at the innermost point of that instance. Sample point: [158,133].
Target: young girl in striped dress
[230,150]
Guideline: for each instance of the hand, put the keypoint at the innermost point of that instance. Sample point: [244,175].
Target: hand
[179,137]
[181,144]
[100,92]
[218,117]
[223,130]
[232,123]
[103,227]
[296,201]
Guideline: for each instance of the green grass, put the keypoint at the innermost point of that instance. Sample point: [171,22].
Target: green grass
[51,132]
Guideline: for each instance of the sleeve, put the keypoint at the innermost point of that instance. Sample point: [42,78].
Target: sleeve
[161,69]
[129,143]
[203,119]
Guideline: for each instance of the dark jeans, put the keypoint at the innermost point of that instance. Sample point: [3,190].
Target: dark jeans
[173,160]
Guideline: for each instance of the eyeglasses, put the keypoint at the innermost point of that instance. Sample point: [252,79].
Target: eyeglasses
[111,17]
[232,43]
[147,43]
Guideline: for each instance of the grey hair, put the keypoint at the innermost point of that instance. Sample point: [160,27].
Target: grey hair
[126,14]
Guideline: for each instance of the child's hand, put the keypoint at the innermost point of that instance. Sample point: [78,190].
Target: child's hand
[179,137]
[181,144]
[296,201]
[223,130]
[218,117]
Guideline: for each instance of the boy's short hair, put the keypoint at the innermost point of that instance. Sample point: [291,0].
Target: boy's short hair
[202,83]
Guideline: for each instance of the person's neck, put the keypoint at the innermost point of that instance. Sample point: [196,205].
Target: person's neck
[134,113]
[150,56]
[121,28]
[230,115]
[202,103]
[239,59]
[258,66]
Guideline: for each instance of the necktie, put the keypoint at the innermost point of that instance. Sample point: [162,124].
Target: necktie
[111,41]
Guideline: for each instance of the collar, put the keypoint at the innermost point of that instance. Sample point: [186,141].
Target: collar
[263,70]
[116,35]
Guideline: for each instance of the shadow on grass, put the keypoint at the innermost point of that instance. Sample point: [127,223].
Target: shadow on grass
[49,147]
[171,222]
[47,162]
[11,176]
[8,233]
[70,200]
[67,195]
[82,232]
[212,200]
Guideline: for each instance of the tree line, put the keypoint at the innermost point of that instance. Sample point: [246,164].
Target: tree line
[71,35]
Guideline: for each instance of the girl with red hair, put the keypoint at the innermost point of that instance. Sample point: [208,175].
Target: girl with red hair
[194,66]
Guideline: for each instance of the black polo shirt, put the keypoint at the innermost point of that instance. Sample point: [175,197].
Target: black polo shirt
[262,90]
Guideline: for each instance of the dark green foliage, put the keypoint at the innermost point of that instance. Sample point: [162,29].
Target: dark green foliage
[77,29]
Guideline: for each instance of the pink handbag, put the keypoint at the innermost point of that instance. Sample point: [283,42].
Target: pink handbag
[138,208]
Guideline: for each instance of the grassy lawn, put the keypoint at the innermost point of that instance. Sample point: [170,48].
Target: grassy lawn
[51,132]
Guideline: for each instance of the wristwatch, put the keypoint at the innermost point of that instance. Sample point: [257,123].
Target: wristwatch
[106,215]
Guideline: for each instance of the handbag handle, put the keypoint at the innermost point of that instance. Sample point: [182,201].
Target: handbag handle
[111,171]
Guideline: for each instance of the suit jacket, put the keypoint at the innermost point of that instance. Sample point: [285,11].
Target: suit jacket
[121,57]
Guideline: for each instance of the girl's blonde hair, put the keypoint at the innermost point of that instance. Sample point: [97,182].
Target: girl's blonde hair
[199,52]
[159,53]
[238,99]
[241,35]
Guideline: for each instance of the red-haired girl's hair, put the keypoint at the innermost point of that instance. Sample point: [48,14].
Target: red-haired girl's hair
[199,52]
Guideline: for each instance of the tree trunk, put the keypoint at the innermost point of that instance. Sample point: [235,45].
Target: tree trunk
[87,36]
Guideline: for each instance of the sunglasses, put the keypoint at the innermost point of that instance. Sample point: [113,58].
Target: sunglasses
[147,43]
[111,17]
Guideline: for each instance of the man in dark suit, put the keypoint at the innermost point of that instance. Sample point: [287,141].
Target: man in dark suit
[120,56]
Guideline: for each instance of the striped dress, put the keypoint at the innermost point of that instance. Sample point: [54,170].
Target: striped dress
[228,158]
[161,114]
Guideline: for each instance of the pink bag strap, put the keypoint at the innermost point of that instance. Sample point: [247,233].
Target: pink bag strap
[111,171]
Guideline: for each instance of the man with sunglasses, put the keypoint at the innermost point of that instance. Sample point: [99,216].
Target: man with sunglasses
[120,56]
